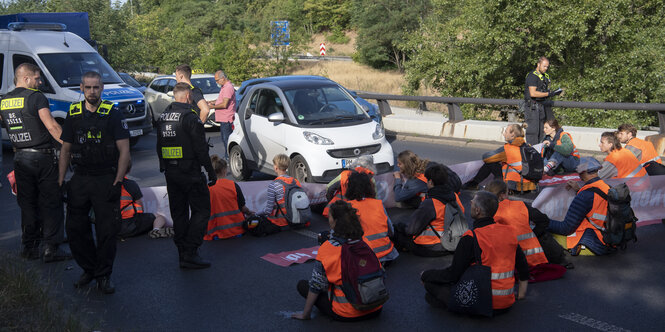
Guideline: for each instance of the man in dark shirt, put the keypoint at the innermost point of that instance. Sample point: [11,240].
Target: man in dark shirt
[439,282]
[31,128]
[96,139]
[183,74]
[182,150]
[538,107]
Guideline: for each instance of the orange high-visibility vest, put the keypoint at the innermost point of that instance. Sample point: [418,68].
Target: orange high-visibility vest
[516,215]
[278,216]
[225,215]
[374,222]
[343,181]
[498,245]
[330,257]
[648,151]
[129,207]
[575,153]
[512,169]
[595,218]
[421,177]
[429,236]
[626,163]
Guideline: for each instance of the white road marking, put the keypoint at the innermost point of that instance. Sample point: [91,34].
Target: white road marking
[593,323]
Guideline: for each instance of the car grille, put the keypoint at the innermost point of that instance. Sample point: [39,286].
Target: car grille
[355,152]
[131,109]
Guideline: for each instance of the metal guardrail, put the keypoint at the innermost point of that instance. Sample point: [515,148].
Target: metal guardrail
[455,113]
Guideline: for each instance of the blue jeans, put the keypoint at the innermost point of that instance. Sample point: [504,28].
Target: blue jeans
[226,128]
[569,162]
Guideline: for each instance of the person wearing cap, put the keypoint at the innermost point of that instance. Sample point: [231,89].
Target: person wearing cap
[586,213]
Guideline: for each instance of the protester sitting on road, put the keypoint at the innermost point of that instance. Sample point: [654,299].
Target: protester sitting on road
[620,163]
[135,221]
[336,189]
[227,205]
[586,213]
[421,234]
[643,150]
[376,224]
[559,152]
[327,273]
[505,162]
[410,185]
[275,207]
[499,250]
[537,244]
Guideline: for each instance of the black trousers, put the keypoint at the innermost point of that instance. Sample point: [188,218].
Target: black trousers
[85,192]
[188,192]
[535,117]
[325,306]
[38,195]
[404,241]
[486,170]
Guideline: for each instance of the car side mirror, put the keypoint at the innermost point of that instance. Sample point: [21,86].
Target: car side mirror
[365,108]
[170,93]
[276,117]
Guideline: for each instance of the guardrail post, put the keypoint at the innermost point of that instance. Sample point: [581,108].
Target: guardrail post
[422,107]
[661,121]
[454,113]
[384,107]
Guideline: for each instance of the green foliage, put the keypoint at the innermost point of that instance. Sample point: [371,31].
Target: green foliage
[327,14]
[231,53]
[337,36]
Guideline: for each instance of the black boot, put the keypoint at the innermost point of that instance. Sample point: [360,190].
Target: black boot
[84,279]
[54,254]
[30,253]
[193,261]
[105,285]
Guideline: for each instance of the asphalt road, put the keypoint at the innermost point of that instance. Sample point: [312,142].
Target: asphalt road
[243,292]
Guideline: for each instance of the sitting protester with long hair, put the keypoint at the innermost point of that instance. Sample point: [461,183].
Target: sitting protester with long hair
[559,152]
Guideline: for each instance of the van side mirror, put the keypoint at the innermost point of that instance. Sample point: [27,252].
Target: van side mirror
[276,117]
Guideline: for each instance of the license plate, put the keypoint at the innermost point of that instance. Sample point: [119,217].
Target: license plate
[136,132]
[346,162]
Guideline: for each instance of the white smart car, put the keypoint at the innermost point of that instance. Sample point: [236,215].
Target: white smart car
[315,122]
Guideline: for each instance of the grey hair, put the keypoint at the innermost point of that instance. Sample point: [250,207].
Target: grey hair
[221,74]
[487,202]
[366,161]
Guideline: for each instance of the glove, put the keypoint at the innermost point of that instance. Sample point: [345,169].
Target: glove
[555,92]
[212,179]
[114,192]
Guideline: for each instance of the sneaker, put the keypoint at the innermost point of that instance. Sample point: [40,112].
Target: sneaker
[54,254]
[193,261]
[105,285]
[168,232]
[84,279]
[155,234]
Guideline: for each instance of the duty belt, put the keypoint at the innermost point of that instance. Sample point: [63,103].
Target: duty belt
[94,172]
[44,151]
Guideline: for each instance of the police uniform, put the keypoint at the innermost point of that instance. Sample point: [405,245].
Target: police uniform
[182,150]
[196,95]
[36,170]
[93,137]
[537,110]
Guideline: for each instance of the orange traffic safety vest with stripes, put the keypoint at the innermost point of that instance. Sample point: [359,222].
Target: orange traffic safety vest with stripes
[626,163]
[498,245]
[648,151]
[343,182]
[516,215]
[512,169]
[428,236]
[421,177]
[278,216]
[330,257]
[128,207]
[374,222]
[575,153]
[225,215]
[595,218]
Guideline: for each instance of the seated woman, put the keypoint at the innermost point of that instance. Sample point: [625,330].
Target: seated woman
[336,189]
[505,162]
[410,184]
[373,217]
[275,209]
[559,152]
[619,163]
[327,274]
[227,205]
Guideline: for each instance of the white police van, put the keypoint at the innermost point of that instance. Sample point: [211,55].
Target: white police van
[63,58]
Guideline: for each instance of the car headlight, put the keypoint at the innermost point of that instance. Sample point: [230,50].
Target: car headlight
[316,138]
[379,132]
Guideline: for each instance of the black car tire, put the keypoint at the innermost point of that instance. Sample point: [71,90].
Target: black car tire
[299,169]
[238,164]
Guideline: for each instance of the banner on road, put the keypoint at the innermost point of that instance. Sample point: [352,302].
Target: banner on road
[287,258]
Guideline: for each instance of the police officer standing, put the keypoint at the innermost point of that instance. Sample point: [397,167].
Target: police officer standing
[182,150]
[538,107]
[183,74]
[96,139]
[26,115]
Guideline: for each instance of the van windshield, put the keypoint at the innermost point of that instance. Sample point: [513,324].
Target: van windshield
[67,68]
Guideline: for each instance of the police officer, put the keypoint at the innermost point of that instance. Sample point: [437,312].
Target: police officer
[182,150]
[183,74]
[96,139]
[26,115]
[538,107]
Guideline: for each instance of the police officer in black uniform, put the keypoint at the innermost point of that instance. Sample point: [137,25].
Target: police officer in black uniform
[97,140]
[183,74]
[26,115]
[538,107]
[182,150]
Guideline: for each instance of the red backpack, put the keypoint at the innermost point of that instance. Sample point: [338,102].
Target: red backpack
[362,276]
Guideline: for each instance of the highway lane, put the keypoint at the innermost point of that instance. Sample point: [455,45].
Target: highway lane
[243,292]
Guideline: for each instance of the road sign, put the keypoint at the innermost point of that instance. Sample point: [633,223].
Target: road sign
[322,49]
[279,33]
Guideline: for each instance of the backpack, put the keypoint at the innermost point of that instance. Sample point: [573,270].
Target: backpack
[454,226]
[620,220]
[532,163]
[362,276]
[297,204]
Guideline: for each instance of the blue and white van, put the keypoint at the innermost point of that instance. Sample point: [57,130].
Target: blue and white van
[63,58]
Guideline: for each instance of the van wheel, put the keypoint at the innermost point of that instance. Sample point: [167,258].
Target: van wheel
[299,169]
[238,164]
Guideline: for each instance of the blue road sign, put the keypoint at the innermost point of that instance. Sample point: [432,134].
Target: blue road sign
[279,33]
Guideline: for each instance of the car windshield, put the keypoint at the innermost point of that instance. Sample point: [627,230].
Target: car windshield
[322,105]
[129,80]
[206,84]
[67,68]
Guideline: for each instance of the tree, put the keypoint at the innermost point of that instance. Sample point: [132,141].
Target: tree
[231,53]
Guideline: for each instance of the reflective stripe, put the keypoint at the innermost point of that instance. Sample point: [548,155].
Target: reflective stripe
[340,299]
[508,170]
[634,172]
[382,248]
[502,275]
[533,251]
[517,163]
[376,236]
[500,292]
[237,224]
[128,207]
[595,225]
[128,198]
[223,214]
[656,159]
[598,216]
[525,236]
[428,232]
